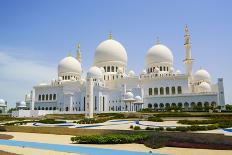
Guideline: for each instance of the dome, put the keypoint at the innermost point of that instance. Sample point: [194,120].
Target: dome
[138,98]
[21,104]
[156,70]
[202,75]
[69,65]
[43,84]
[131,73]
[110,51]
[178,72]
[120,70]
[204,87]
[2,102]
[129,95]
[159,54]
[94,72]
[144,71]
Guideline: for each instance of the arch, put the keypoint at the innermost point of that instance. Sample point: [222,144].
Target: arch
[156,91]
[186,104]
[179,90]
[173,104]
[173,90]
[66,109]
[43,97]
[50,108]
[206,104]
[50,96]
[164,68]
[155,105]
[161,105]
[213,104]
[39,98]
[112,68]
[42,108]
[54,108]
[46,108]
[150,91]
[108,68]
[54,96]
[116,69]
[193,104]
[39,108]
[199,104]
[149,105]
[161,90]
[180,104]
[160,68]
[167,104]
[167,90]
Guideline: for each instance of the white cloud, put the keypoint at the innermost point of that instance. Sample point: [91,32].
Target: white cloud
[19,75]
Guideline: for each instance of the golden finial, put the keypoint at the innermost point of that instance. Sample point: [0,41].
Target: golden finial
[78,46]
[110,35]
[186,29]
[69,54]
[157,40]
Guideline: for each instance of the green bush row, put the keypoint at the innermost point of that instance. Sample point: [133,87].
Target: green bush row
[193,128]
[51,121]
[155,119]
[109,139]
[92,120]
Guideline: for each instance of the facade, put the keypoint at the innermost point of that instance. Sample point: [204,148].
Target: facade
[109,87]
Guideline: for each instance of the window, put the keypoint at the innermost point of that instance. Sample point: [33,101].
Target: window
[43,97]
[149,105]
[179,90]
[46,108]
[108,69]
[39,98]
[50,97]
[84,103]
[46,97]
[95,102]
[161,91]
[116,69]
[164,68]
[112,69]
[103,103]
[160,68]
[50,108]
[167,90]
[66,108]
[105,68]
[150,91]
[155,91]
[54,96]
[54,108]
[150,69]
[153,69]
[173,90]
[42,108]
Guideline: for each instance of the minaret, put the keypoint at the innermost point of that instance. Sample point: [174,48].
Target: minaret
[79,52]
[188,61]
[89,98]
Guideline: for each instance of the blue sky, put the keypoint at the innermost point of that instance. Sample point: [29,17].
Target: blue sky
[35,35]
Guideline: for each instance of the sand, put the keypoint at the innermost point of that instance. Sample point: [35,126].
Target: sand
[65,139]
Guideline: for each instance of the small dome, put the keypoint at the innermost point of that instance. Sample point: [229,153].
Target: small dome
[21,104]
[202,75]
[120,70]
[159,54]
[43,84]
[204,87]
[144,71]
[102,69]
[2,103]
[94,72]
[60,78]
[110,51]
[156,70]
[129,95]
[138,98]
[131,73]
[178,72]
[69,65]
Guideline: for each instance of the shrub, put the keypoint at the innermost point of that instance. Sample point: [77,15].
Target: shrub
[159,129]
[182,129]
[155,119]
[109,139]
[137,128]
[170,129]
[149,128]
[92,120]
[51,121]
[131,127]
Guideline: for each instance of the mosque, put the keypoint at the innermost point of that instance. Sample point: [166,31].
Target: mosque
[109,87]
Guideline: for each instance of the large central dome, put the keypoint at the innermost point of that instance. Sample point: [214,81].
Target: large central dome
[159,54]
[110,51]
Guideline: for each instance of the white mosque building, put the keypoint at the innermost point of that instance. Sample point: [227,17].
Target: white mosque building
[109,87]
